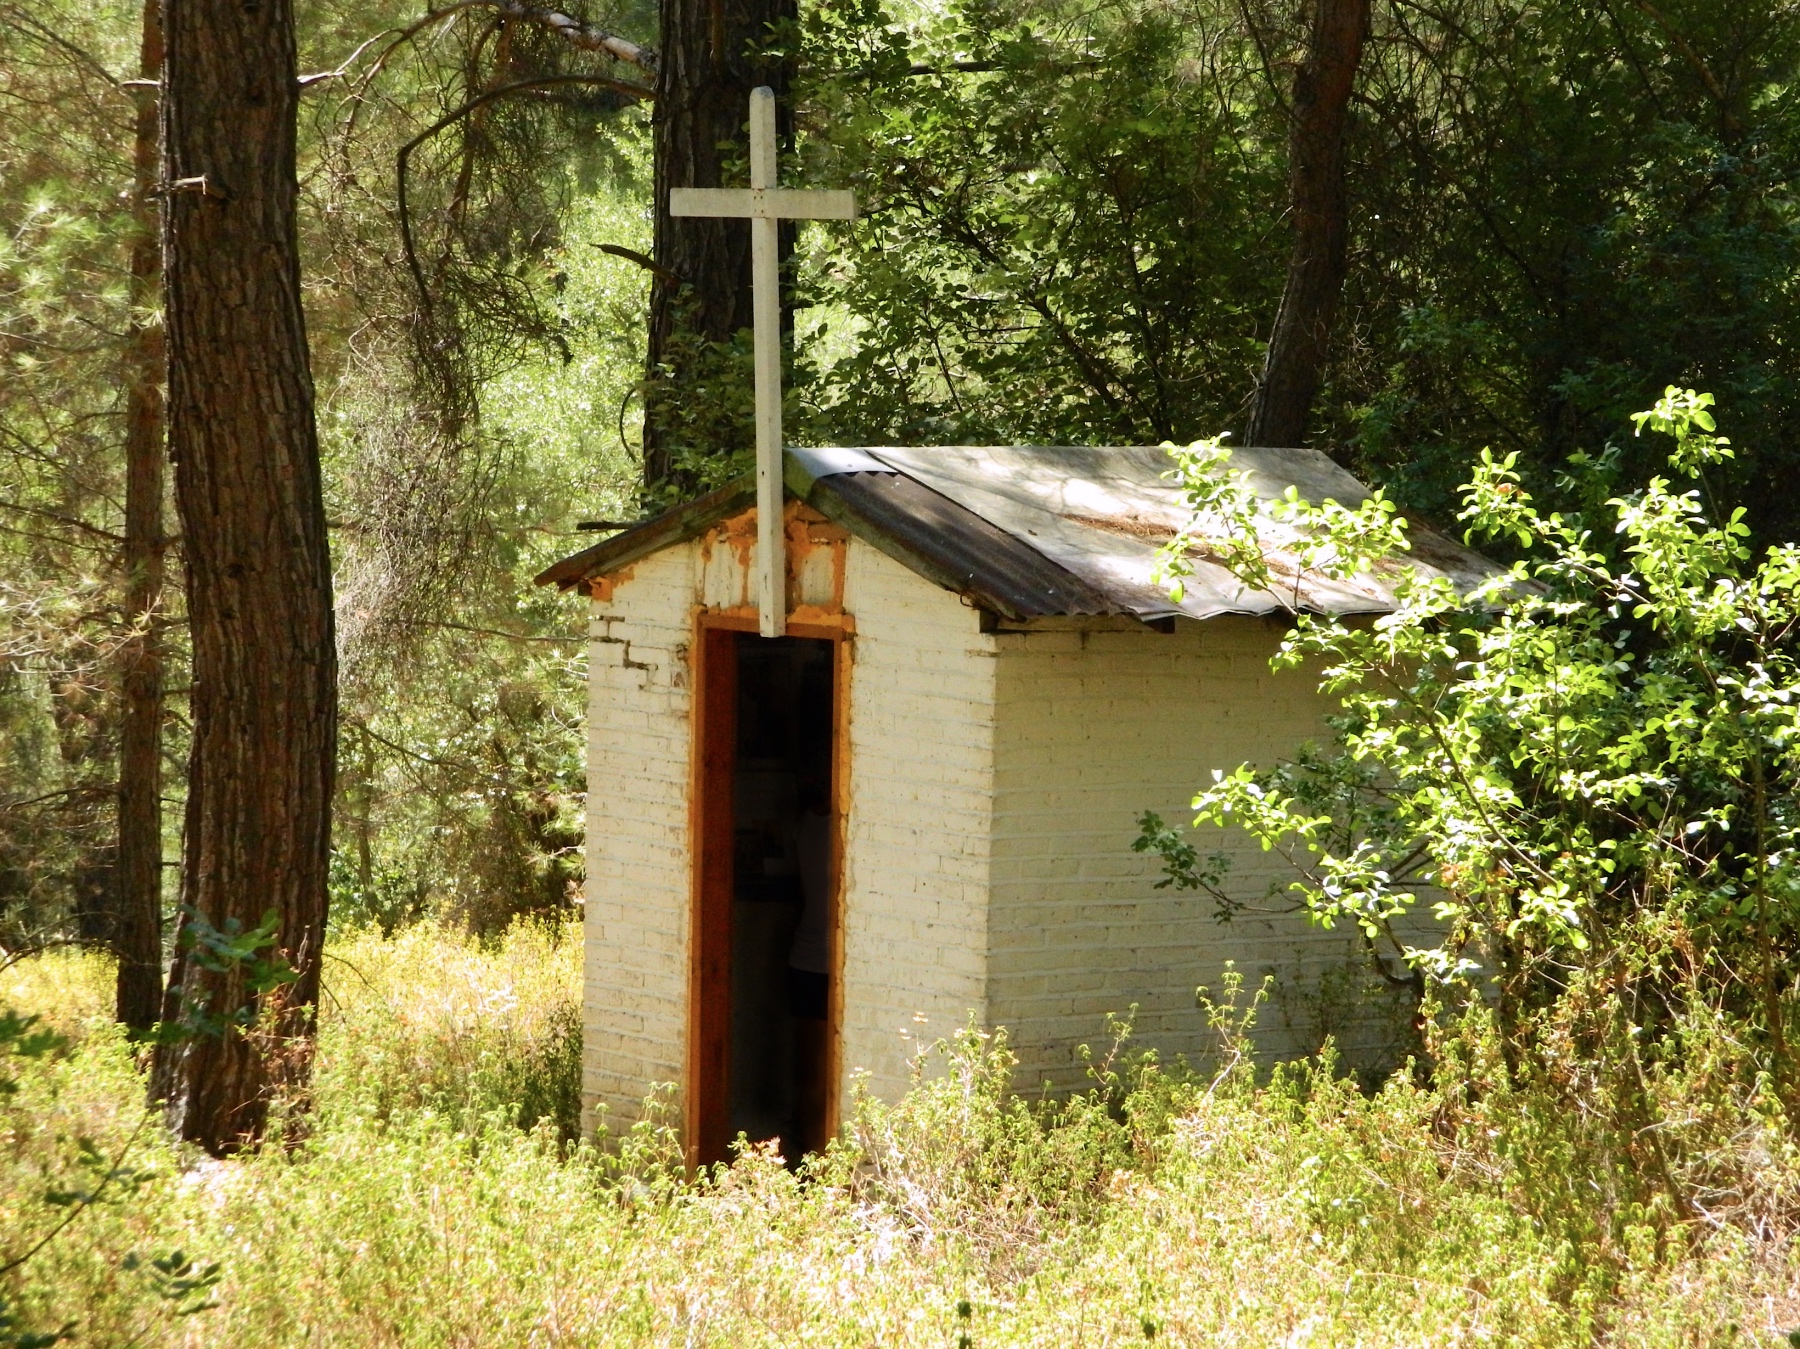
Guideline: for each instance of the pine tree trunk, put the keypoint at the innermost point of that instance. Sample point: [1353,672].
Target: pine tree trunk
[700,293]
[1295,363]
[138,939]
[247,486]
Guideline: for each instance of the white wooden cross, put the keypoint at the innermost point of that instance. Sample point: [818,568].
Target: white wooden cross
[765,205]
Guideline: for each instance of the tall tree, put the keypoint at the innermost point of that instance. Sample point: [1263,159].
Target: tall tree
[138,936]
[1063,242]
[1320,209]
[247,484]
[712,55]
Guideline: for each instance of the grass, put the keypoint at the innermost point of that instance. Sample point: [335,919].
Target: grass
[431,1198]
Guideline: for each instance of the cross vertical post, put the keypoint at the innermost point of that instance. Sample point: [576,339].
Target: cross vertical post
[765,205]
[765,303]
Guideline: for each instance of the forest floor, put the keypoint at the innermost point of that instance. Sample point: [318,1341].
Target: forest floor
[408,1206]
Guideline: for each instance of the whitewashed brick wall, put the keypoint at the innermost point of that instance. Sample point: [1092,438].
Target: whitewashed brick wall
[921,783]
[634,1013]
[921,788]
[1091,730]
[995,781]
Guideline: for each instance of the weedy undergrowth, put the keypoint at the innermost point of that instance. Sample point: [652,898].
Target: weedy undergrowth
[1180,1204]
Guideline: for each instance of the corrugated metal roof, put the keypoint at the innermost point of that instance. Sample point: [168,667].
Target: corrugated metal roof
[953,546]
[1029,531]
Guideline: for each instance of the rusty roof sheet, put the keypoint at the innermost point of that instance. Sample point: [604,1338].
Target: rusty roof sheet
[687,521]
[1029,531]
[1104,513]
[945,542]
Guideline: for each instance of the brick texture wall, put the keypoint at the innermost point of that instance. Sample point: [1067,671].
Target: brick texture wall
[917,834]
[921,781]
[634,1005]
[1092,729]
[995,780]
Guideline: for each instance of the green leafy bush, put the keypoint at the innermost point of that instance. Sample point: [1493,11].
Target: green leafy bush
[1584,771]
[432,1019]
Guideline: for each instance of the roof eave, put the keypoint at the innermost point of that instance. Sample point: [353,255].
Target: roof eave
[967,555]
[677,525]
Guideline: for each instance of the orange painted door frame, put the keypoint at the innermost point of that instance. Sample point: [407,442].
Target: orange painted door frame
[712,811]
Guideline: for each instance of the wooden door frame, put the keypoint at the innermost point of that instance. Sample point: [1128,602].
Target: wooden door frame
[708,1071]
[707,1086]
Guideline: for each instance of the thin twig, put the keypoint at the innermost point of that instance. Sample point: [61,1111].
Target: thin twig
[481,632]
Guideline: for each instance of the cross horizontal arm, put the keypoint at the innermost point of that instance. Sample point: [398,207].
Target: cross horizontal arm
[766,203]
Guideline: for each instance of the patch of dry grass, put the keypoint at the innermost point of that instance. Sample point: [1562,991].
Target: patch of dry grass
[432,1019]
[416,1212]
[69,987]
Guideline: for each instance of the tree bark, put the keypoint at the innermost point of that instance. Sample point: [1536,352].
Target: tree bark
[1319,202]
[257,566]
[138,940]
[700,292]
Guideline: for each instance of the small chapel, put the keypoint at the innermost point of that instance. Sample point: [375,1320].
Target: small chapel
[869,735]
[924,792]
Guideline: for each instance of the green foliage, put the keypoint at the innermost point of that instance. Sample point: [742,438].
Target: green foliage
[1583,770]
[708,414]
[547,1082]
[1064,237]
[381,896]
[73,1175]
[177,1279]
[460,692]
[962,1154]
[468,803]
[1073,231]
[436,1021]
[66,225]
[1561,209]
[235,956]
[461,781]
[22,1037]
[1074,228]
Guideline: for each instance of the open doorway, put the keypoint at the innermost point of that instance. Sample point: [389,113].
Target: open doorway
[766,900]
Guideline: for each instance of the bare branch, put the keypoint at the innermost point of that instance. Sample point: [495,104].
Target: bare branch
[482,632]
[578,34]
[647,263]
[91,789]
[49,36]
[320,76]
[57,518]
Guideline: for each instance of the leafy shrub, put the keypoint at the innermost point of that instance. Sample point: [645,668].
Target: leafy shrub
[546,1082]
[434,1019]
[73,1162]
[961,1154]
[1584,769]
